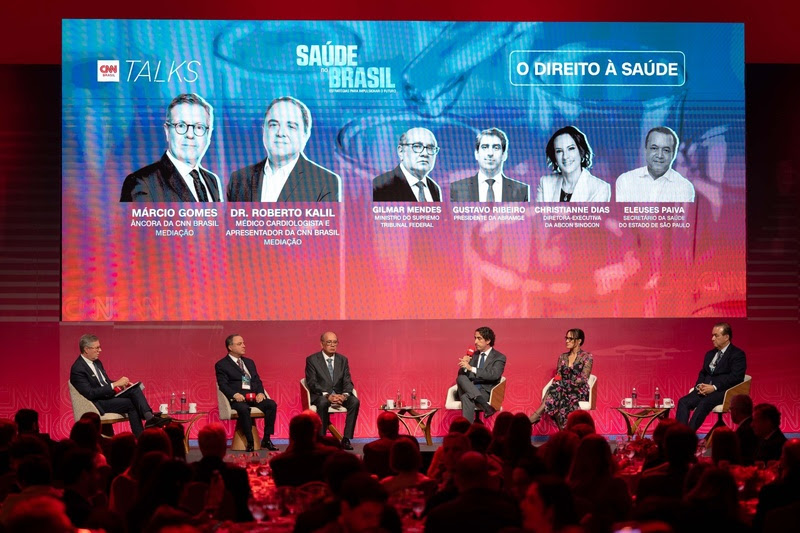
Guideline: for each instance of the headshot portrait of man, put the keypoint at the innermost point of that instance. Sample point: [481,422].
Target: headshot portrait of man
[178,175]
[286,174]
[330,384]
[237,376]
[479,373]
[89,378]
[490,184]
[410,180]
[656,182]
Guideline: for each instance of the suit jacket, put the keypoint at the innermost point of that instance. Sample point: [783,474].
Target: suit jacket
[729,371]
[747,441]
[376,457]
[308,182]
[482,510]
[318,379]
[587,189]
[487,377]
[161,182]
[771,448]
[392,186]
[235,478]
[84,380]
[229,377]
[466,190]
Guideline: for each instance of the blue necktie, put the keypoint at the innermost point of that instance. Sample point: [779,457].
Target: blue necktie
[490,194]
[329,360]
[483,360]
[421,186]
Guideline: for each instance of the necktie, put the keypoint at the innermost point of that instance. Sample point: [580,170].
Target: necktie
[199,188]
[483,360]
[713,364]
[100,376]
[421,186]
[242,368]
[490,196]
[330,366]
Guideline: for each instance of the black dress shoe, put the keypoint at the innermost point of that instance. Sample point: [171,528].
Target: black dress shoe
[267,444]
[155,422]
[250,448]
[488,411]
[346,444]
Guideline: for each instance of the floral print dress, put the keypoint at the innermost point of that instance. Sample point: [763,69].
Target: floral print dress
[573,387]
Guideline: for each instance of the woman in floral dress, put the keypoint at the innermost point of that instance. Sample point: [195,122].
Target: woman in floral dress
[571,382]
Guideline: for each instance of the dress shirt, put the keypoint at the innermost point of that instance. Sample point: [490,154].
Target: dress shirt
[474,369]
[98,374]
[333,365]
[412,182]
[639,186]
[717,357]
[236,362]
[273,180]
[483,187]
[185,171]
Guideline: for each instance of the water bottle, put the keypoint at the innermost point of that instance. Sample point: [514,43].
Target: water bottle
[413,397]
[172,403]
[633,397]
[657,398]
[399,401]
[184,408]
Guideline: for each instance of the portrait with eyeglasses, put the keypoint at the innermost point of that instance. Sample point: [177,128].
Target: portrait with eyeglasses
[490,184]
[178,176]
[410,180]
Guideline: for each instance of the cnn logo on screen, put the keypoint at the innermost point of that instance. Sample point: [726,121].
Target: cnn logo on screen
[108,70]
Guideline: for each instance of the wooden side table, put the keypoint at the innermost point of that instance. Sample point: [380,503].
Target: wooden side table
[639,417]
[421,417]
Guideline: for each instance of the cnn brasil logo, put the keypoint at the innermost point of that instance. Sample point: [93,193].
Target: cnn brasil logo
[108,70]
[148,71]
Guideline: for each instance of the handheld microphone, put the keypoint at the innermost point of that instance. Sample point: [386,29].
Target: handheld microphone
[470,351]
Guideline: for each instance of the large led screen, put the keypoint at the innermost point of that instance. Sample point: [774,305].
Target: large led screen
[289,170]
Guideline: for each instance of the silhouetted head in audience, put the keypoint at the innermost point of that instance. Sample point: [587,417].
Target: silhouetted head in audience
[766,420]
[582,430]
[338,467]
[84,434]
[388,425]
[79,472]
[363,503]
[459,425]
[661,430]
[34,470]
[523,474]
[316,418]
[680,445]
[8,430]
[741,408]
[548,506]
[502,424]
[25,445]
[94,418]
[479,438]
[165,486]
[175,433]
[472,472]
[454,445]
[301,433]
[790,459]
[404,456]
[580,417]
[120,456]
[559,451]
[27,421]
[726,447]
[518,440]
[716,492]
[150,440]
[40,513]
[593,461]
[213,440]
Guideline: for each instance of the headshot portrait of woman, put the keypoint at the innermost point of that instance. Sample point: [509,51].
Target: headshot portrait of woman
[570,156]
[571,382]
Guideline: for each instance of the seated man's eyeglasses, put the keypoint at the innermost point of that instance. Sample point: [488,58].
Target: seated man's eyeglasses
[419,147]
[181,128]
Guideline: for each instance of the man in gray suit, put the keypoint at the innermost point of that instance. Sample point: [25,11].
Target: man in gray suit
[490,184]
[328,380]
[479,373]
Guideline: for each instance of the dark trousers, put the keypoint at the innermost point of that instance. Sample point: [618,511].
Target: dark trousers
[132,403]
[245,423]
[351,404]
[701,405]
[469,394]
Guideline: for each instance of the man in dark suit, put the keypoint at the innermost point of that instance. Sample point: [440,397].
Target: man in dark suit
[409,181]
[236,376]
[767,428]
[742,415]
[328,380]
[479,373]
[90,379]
[178,176]
[723,367]
[285,175]
[377,452]
[490,184]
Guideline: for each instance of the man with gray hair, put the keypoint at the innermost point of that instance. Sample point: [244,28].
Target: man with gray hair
[656,182]
[410,180]
[178,175]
